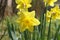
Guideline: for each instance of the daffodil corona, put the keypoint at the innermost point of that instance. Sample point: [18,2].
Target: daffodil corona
[49,2]
[27,20]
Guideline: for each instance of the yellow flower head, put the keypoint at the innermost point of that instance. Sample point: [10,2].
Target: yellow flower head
[48,15]
[54,13]
[22,4]
[27,20]
[49,2]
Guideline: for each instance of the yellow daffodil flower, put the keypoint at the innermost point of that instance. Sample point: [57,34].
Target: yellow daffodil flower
[49,2]
[54,13]
[23,4]
[27,20]
[48,15]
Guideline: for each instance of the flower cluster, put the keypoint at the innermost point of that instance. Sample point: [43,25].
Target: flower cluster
[26,19]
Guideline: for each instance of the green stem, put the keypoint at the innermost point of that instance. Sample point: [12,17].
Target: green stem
[49,30]
[56,34]
[42,19]
[26,35]
[44,28]
[44,24]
